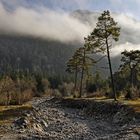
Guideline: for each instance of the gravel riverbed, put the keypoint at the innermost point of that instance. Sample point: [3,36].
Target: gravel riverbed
[60,119]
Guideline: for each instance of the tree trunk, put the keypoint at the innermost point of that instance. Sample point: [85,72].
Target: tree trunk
[75,79]
[81,83]
[82,75]
[131,77]
[111,73]
[8,98]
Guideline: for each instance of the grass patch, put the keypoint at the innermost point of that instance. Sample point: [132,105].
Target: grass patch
[9,113]
[135,104]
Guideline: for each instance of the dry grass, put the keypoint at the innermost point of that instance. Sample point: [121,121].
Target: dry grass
[133,103]
[9,113]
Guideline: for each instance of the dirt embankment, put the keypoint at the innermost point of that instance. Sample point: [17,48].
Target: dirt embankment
[104,108]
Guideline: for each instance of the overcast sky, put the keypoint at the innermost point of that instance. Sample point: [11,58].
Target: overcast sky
[50,19]
[130,7]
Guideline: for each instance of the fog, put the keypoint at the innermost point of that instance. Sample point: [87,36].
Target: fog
[59,25]
[43,23]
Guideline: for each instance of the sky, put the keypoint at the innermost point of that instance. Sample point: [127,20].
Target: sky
[50,19]
[129,7]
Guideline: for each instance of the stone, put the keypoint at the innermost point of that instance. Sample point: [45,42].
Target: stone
[53,121]
[20,122]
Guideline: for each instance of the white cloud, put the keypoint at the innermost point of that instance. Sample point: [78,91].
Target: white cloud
[126,46]
[45,23]
[127,22]
[60,26]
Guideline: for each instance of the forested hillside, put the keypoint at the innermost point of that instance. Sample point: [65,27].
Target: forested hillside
[49,56]
[38,55]
[33,54]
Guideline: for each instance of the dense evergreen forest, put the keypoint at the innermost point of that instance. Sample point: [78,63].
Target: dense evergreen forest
[33,54]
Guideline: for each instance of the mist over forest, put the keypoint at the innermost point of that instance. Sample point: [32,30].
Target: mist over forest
[68,33]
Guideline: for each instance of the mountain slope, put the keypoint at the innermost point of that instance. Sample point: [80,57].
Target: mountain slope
[49,56]
[33,54]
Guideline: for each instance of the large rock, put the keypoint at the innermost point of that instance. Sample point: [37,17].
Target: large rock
[21,122]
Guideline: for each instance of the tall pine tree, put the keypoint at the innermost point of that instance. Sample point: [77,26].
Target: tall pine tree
[105,32]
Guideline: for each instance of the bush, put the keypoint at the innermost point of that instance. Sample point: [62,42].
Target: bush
[132,93]
[56,93]
[39,84]
[54,82]
[91,88]
[15,92]
[66,89]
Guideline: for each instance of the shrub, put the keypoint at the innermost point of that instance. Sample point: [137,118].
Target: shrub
[15,92]
[132,93]
[91,88]
[66,89]
[39,84]
[54,82]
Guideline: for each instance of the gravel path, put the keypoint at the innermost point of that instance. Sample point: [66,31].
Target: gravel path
[49,120]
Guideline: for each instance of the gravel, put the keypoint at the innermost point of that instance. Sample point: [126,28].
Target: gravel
[51,119]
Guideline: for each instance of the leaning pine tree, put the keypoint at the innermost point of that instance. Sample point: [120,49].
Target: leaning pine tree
[105,32]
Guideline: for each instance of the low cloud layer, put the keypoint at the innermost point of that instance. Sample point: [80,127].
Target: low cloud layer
[60,26]
[126,46]
[43,23]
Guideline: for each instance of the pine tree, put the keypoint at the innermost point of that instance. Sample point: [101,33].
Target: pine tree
[85,63]
[131,59]
[105,32]
[80,63]
[73,66]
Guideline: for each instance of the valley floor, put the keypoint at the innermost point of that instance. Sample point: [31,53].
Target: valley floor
[79,119]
